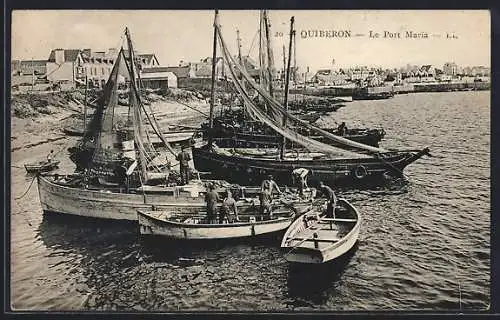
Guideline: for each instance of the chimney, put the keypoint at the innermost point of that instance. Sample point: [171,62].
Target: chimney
[112,52]
[99,54]
[59,56]
[87,52]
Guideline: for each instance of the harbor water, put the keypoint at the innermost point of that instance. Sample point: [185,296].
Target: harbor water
[423,246]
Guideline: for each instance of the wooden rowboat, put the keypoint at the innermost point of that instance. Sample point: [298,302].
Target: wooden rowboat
[42,166]
[314,238]
[196,227]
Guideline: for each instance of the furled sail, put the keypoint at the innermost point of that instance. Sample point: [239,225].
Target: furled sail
[113,142]
[277,107]
[266,58]
[107,144]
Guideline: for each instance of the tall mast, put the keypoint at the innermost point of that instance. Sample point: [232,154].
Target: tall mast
[261,55]
[85,104]
[292,34]
[284,66]
[295,68]
[239,46]
[269,53]
[212,95]
[240,59]
[32,75]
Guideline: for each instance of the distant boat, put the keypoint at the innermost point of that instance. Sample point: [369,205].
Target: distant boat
[74,131]
[314,239]
[196,227]
[372,93]
[42,166]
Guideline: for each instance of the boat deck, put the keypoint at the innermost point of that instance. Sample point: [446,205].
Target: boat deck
[329,231]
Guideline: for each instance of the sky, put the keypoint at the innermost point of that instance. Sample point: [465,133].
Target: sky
[460,36]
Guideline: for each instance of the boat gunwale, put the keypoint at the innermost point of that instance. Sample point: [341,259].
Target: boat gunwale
[176,224]
[333,245]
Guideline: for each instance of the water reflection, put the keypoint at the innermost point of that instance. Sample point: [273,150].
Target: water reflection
[85,235]
[315,283]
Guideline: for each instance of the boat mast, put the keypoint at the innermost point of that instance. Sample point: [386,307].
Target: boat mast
[212,94]
[85,104]
[240,59]
[292,34]
[269,53]
[284,67]
[132,69]
[295,67]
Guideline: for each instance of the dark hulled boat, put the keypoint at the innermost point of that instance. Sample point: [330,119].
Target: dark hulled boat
[330,164]
[339,171]
[254,135]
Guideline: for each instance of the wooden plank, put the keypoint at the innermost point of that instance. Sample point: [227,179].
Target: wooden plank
[312,239]
[338,220]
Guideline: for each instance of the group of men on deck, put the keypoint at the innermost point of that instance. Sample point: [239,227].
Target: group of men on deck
[229,211]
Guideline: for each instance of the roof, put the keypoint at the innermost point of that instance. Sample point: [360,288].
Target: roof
[148,57]
[30,62]
[180,72]
[426,67]
[69,55]
[158,76]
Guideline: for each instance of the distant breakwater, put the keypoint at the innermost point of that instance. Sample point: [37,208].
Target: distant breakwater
[407,88]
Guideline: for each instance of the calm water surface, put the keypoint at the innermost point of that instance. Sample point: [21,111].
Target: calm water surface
[423,246]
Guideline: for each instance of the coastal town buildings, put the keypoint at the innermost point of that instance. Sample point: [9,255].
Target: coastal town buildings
[69,68]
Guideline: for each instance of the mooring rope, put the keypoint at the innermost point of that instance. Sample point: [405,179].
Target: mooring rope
[32,180]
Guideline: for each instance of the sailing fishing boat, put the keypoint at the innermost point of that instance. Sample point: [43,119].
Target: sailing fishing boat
[327,163]
[122,172]
[255,134]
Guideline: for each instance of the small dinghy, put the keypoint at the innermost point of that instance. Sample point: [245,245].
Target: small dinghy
[313,238]
[196,226]
[42,166]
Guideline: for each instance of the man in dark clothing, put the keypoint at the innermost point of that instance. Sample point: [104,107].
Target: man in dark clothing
[299,175]
[270,185]
[342,129]
[265,203]
[330,196]
[183,157]
[211,198]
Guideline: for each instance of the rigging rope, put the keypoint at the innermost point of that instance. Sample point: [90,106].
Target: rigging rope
[292,135]
[251,45]
[277,107]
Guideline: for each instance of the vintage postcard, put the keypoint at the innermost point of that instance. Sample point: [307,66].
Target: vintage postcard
[250,160]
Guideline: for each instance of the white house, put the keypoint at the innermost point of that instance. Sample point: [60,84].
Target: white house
[158,77]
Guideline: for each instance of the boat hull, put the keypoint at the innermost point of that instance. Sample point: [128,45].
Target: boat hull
[148,225]
[309,254]
[33,168]
[339,172]
[120,206]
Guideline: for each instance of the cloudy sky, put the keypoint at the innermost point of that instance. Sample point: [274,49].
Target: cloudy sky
[187,35]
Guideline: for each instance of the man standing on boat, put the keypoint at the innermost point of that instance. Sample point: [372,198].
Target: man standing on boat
[300,177]
[330,196]
[270,185]
[265,199]
[183,157]
[228,209]
[211,198]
